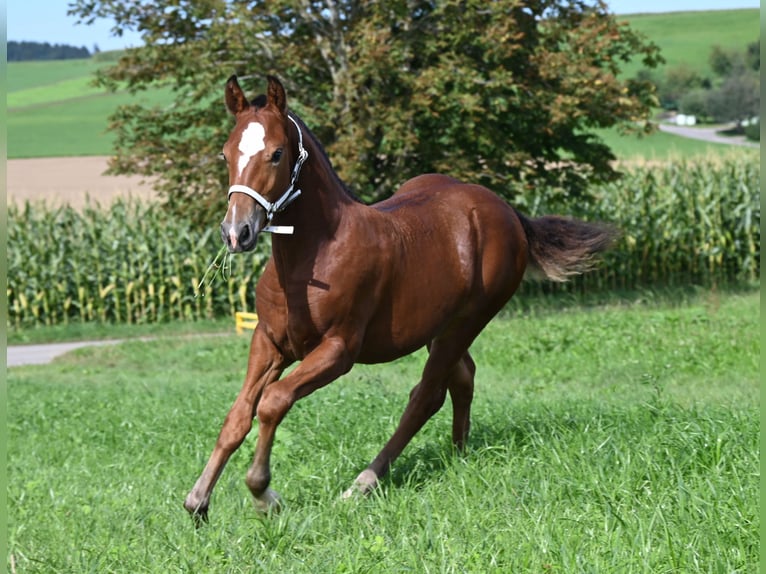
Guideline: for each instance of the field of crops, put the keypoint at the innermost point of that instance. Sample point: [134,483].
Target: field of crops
[683,223]
[612,440]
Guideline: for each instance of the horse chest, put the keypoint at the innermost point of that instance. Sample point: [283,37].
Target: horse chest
[307,316]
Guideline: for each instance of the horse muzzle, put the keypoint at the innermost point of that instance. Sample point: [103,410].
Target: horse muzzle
[239,236]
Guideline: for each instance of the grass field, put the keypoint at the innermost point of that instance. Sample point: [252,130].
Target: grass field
[609,439]
[662,146]
[688,37]
[54,110]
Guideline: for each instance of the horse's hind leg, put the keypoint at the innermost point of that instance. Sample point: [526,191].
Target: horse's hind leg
[445,368]
[460,385]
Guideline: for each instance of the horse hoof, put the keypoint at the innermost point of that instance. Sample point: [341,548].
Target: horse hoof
[364,484]
[198,512]
[267,502]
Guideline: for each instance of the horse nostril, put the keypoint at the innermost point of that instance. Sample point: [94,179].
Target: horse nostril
[245,235]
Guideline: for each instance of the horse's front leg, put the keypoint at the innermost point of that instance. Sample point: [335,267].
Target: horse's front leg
[331,359]
[265,365]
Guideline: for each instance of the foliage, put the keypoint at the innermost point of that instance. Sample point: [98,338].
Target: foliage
[676,83]
[493,93]
[695,103]
[737,99]
[604,440]
[753,131]
[21,51]
[684,223]
[734,95]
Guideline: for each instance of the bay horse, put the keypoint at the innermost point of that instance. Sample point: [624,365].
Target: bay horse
[348,282]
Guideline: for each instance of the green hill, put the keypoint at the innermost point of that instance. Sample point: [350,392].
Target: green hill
[53,109]
[687,37]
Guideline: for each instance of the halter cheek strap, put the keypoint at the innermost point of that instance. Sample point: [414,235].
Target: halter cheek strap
[290,195]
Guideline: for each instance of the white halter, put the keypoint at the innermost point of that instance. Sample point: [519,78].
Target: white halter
[287,197]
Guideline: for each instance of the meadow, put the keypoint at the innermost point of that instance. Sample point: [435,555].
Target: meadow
[54,110]
[686,38]
[611,439]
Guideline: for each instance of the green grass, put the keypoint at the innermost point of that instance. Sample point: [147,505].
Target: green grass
[615,439]
[23,76]
[97,331]
[688,37]
[54,110]
[662,146]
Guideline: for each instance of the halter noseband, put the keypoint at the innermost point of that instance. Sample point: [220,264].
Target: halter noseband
[287,197]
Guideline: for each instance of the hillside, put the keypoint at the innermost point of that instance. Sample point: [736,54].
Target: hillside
[59,97]
[687,37]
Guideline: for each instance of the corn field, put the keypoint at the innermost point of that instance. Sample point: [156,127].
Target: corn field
[129,263]
[685,223]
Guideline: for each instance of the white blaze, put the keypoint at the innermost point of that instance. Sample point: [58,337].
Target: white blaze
[250,144]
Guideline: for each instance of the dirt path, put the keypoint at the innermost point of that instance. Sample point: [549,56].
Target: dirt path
[70,180]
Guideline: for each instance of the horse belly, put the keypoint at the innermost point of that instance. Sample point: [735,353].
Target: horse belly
[422,300]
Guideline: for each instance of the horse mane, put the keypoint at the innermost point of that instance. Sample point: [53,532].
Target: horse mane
[318,146]
[258,101]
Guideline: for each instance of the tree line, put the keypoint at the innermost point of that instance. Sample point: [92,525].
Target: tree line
[731,94]
[26,51]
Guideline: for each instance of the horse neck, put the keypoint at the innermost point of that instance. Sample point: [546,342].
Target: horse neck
[322,205]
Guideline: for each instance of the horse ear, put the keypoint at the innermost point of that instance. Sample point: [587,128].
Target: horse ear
[276,94]
[235,97]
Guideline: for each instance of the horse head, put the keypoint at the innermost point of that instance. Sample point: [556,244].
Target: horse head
[263,166]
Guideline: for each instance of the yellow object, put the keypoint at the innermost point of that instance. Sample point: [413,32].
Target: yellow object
[245,321]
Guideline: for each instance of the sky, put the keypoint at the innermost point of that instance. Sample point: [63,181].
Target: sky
[47,20]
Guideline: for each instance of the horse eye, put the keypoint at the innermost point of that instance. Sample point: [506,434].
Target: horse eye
[222,156]
[275,157]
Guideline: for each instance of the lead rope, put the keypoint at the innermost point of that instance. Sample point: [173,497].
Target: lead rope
[290,195]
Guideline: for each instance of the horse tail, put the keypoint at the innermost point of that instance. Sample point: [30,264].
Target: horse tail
[560,247]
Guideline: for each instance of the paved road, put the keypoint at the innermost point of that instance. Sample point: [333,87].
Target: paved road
[18,355]
[708,134]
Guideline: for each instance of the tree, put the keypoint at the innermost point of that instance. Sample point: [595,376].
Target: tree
[738,96]
[505,93]
[753,55]
[738,99]
[21,51]
[677,82]
[725,62]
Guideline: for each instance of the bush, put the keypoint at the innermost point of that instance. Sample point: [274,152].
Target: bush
[753,131]
[694,103]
